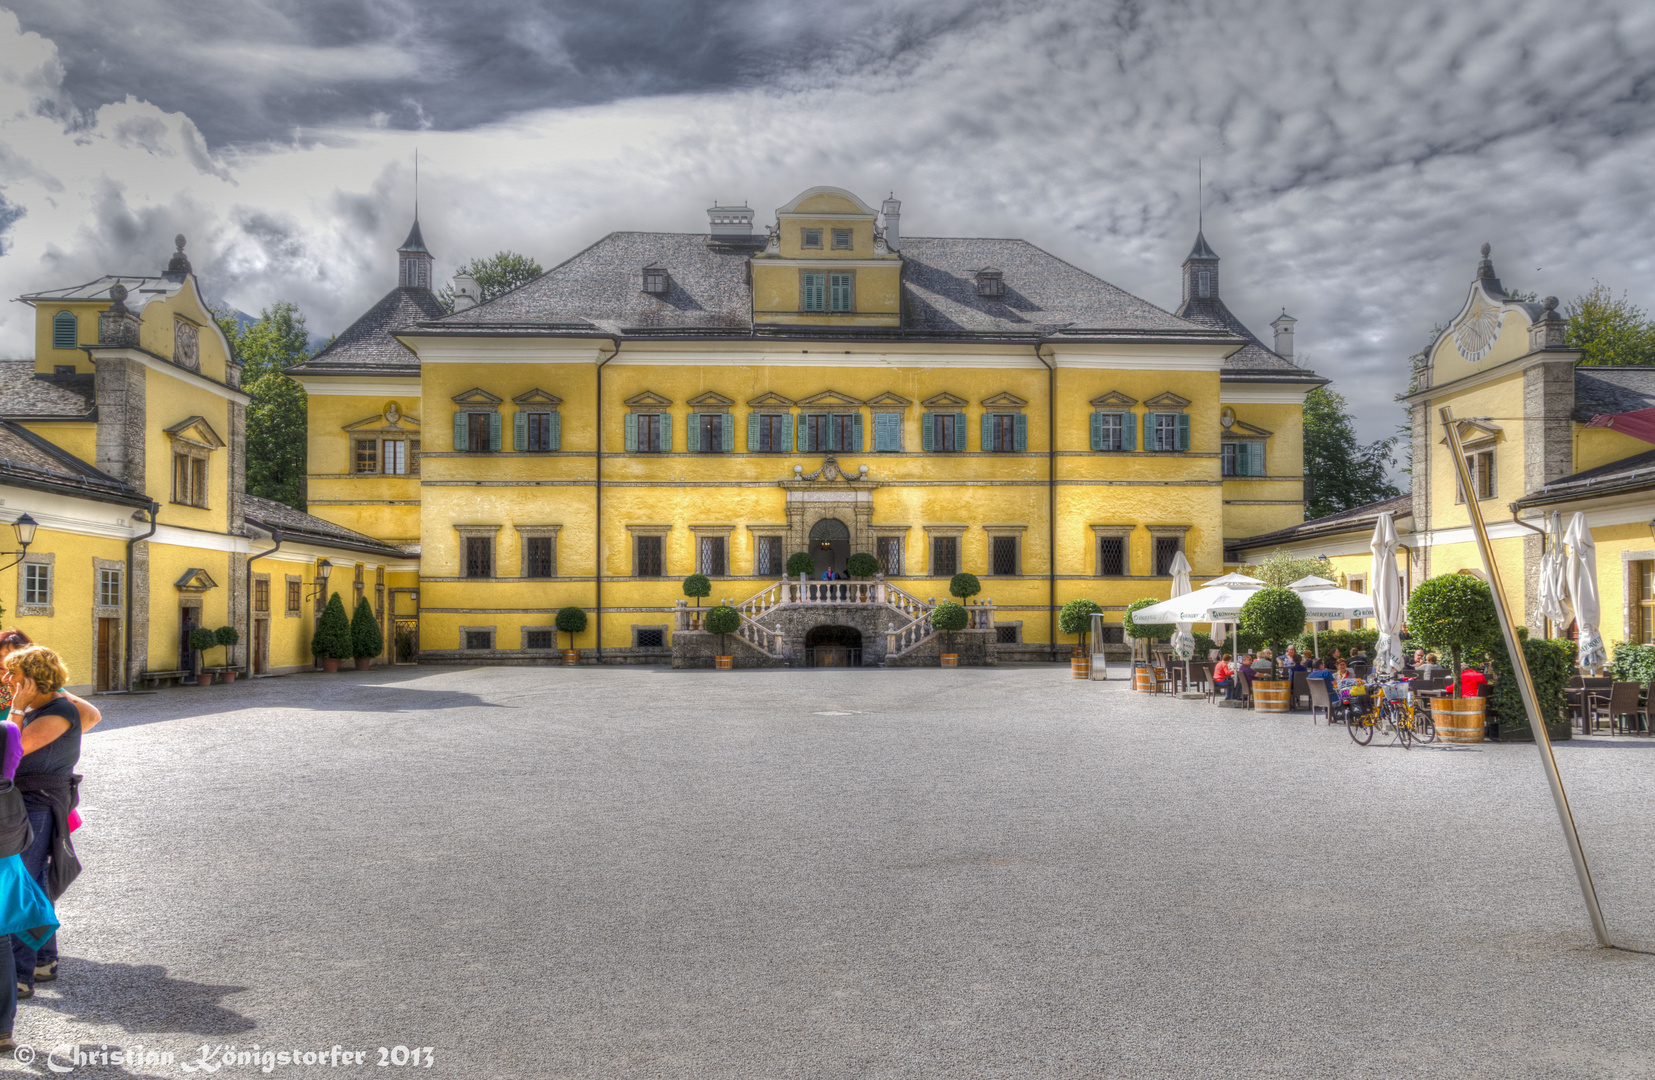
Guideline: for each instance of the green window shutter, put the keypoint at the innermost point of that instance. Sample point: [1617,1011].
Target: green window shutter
[1129,430]
[494,431]
[787,431]
[833,435]
[1022,433]
[692,433]
[666,433]
[65,330]
[1097,431]
[804,434]
[960,443]
[986,443]
[555,434]
[632,433]
[887,431]
[752,433]
[927,432]
[1183,431]
[842,296]
[460,431]
[813,292]
[1255,458]
[520,431]
[856,434]
[729,429]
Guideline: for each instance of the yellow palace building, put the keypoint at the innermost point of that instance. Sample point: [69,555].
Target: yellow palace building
[122,466]
[1525,410]
[662,404]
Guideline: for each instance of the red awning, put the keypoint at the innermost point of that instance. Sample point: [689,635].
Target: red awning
[1639,425]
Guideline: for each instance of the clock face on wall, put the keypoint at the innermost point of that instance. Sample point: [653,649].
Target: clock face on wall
[185,348]
[1477,330]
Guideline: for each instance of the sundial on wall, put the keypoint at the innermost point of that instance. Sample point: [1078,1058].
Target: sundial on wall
[1477,330]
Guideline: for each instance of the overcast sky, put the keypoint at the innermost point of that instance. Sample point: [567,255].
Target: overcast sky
[1356,154]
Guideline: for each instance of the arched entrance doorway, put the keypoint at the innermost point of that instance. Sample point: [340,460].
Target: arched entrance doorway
[829,545]
[833,646]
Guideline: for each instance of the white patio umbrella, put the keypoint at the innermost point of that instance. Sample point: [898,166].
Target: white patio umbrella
[1183,642]
[1387,596]
[1325,600]
[1583,592]
[1554,573]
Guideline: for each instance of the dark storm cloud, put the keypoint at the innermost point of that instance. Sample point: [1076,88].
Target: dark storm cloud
[247,71]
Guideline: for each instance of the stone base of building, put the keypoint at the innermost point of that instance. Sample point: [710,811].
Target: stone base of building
[975,648]
[696,649]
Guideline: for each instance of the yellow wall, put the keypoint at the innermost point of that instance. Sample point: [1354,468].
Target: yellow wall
[78,437]
[386,507]
[69,629]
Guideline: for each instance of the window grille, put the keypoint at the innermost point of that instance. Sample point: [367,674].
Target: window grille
[888,550]
[539,639]
[767,560]
[1166,550]
[945,556]
[1112,556]
[538,562]
[479,557]
[652,638]
[649,556]
[1003,556]
[841,239]
[712,556]
[479,639]
[367,456]
[1005,635]
[109,589]
[810,238]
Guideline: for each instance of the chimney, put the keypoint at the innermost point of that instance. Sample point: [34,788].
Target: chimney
[892,211]
[1284,334]
[732,222]
[1549,331]
[466,293]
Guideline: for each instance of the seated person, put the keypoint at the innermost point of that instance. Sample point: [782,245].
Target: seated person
[1264,664]
[1323,674]
[1296,663]
[1223,674]
[1472,683]
[1430,669]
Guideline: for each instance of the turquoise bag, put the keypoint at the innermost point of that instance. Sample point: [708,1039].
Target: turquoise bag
[24,909]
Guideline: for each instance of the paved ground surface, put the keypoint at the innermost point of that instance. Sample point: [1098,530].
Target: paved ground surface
[973,873]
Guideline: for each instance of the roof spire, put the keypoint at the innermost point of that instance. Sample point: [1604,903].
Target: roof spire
[1199,199]
[416,185]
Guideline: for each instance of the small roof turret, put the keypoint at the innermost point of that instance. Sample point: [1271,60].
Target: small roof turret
[415,241]
[1202,250]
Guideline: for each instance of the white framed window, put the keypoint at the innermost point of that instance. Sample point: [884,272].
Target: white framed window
[109,588]
[37,583]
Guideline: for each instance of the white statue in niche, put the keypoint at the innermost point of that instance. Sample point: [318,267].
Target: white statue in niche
[186,350]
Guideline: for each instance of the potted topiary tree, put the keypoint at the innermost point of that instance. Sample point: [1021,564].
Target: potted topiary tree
[723,620]
[1144,679]
[950,618]
[964,586]
[202,639]
[366,640]
[862,565]
[800,565]
[1276,615]
[226,637]
[332,642]
[572,620]
[1451,614]
[1076,618]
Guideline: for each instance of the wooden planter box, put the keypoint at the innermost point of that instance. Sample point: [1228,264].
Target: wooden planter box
[950,659]
[1272,695]
[724,663]
[1460,720]
[571,657]
[1080,667]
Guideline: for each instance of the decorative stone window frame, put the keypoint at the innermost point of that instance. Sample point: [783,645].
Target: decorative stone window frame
[476,400]
[525,533]
[828,403]
[1114,403]
[288,581]
[946,404]
[37,558]
[891,532]
[755,533]
[1167,403]
[491,631]
[828,273]
[253,592]
[1005,403]
[391,424]
[700,532]
[1166,532]
[541,402]
[1101,530]
[106,611]
[888,404]
[1629,584]
[709,403]
[193,438]
[771,403]
[665,630]
[490,533]
[932,532]
[657,281]
[1014,531]
[1481,441]
[662,531]
[523,638]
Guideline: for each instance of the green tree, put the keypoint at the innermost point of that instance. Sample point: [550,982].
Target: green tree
[1282,568]
[964,586]
[276,415]
[1344,473]
[1608,329]
[333,632]
[366,639]
[1453,613]
[496,275]
[227,636]
[1274,614]
[202,639]
[697,586]
[862,565]
[799,563]
[949,618]
[1145,631]
[571,620]
[722,620]
[1076,618]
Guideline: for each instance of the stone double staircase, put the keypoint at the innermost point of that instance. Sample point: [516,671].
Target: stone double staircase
[910,629]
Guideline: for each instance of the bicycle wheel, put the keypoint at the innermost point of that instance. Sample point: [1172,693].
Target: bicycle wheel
[1404,728]
[1424,730]
[1360,728]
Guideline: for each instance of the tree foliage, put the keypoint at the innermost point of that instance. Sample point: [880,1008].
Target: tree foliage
[277,413]
[333,632]
[1344,473]
[1274,614]
[1076,618]
[949,618]
[571,620]
[1283,568]
[366,639]
[496,275]
[722,620]
[861,565]
[964,586]
[697,586]
[1551,664]
[1452,613]
[1145,631]
[800,562]
[1608,329]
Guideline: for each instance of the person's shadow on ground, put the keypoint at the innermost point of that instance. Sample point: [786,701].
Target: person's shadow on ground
[142,999]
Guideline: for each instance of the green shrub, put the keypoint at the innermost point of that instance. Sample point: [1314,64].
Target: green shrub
[697,585]
[949,618]
[1282,568]
[1633,662]
[1275,614]
[964,586]
[862,565]
[1145,631]
[1347,642]
[202,639]
[1453,614]
[722,620]
[333,632]
[1551,664]
[571,620]
[226,637]
[366,640]
[800,562]
[1076,618]
[405,641]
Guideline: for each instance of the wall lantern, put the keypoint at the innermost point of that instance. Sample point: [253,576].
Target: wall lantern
[24,526]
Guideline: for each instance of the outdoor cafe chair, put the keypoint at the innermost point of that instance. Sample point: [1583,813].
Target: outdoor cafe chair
[1301,689]
[1320,699]
[1579,698]
[1620,703]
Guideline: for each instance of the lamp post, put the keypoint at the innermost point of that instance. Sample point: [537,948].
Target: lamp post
[324,569]
[24,527]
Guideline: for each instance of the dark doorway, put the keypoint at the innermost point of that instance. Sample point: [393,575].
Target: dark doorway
[833,646]
[188,619]
[829,545]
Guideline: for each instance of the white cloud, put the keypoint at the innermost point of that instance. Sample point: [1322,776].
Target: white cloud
[1356,157]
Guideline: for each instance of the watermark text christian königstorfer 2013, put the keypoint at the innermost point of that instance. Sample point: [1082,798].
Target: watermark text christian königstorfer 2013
[210,1058]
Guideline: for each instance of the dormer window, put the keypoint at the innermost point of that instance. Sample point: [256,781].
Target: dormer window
[810,238]
[1203,284]
[991,283]
[655,280]
[841,239]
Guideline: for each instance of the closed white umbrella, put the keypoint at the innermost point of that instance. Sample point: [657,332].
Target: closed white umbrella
[1387,596]
[1583,592]
[1183,642]
[1554,577]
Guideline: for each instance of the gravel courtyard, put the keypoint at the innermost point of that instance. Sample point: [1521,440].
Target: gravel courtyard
[542,872]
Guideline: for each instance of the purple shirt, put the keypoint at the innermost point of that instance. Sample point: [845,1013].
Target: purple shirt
[13,752]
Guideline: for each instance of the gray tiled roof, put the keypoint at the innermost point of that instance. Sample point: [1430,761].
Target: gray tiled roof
[1612,390]
[1254,358]
[25,394]
[296,524]
[1633,473]
[1356,518]
[601,288]
[30,461]
[367,345]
